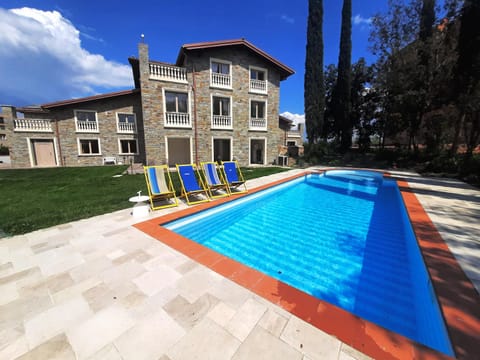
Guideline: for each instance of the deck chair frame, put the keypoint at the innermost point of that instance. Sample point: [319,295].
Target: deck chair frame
[220,185]
[202,188]
[168,189]
[237,184]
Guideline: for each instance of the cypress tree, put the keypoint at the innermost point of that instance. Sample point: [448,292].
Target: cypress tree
[342,96]
[314,88]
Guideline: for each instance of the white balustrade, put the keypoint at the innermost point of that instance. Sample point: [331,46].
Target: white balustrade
[221,122]
[87,126]
[258,86]
[127,128]
[258,124]
[33,125]
[168,73]
[179,120]
[293,134]
[221,80]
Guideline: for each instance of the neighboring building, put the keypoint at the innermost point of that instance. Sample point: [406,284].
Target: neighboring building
[220,101]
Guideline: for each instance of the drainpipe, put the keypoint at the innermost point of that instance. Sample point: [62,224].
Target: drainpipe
[194,88]
[62,162]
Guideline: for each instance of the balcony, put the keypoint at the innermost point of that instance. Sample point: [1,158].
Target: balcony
[126,128]
[177,120]
[223,81]
[294,134]
[258,124]
[86,126]
[32,125]
[221,122]
[167,72]
[258,86]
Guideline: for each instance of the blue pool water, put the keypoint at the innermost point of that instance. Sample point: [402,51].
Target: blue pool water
[343,237]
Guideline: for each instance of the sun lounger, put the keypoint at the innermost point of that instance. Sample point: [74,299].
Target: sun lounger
[160,187]
[215,182]
[234,177]
[192,184]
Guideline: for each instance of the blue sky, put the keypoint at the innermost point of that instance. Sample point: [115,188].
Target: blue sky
[54,50]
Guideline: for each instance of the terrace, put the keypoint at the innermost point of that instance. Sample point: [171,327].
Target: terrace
[129,295]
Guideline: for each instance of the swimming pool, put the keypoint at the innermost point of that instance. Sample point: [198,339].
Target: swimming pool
[343,237]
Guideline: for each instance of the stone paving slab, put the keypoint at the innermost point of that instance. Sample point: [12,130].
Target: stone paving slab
[100,289]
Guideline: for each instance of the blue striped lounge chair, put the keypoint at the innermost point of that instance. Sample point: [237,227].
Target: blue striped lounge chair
[216,184]
[160,187]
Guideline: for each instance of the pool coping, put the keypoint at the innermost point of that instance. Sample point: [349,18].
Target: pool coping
[461,313]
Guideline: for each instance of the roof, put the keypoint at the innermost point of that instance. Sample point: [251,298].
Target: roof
[284,70]
[61,103]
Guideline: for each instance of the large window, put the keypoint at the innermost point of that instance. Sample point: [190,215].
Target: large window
[257,110]
[220,67]
[126,123]
[86,121]
[221,106]
[256,74]
[89,146]
[128,146]
[221,74]
[258,80]
[176,102]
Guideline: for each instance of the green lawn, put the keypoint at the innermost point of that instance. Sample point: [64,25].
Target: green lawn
[33,199]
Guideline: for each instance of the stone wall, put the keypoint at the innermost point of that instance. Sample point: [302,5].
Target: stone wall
[66,137]
[200,96]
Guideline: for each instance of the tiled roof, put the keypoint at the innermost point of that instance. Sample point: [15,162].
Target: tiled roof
[284,69]
[88,98]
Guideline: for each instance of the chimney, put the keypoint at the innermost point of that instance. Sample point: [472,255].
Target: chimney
[143,60]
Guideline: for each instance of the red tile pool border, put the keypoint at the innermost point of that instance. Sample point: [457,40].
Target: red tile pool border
[457,296]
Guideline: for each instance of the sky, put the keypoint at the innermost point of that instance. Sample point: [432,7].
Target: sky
[54,50]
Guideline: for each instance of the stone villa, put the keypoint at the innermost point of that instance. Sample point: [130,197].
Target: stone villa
[219,101]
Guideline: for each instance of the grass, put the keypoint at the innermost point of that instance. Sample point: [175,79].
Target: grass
[33,199]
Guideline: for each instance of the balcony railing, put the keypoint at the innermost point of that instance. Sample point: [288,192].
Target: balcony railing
[258,86]
[258,124]
[126,128]
[168,73]
[87,126]
[293,134]
[221,80]
[178,120]
[221,122]
[32,125]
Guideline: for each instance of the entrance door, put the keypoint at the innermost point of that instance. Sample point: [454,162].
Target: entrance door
[257,151]
[44,152]
[222,150]
[178,151]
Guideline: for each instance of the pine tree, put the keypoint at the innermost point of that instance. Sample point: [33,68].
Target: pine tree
[314,94]
[341,97]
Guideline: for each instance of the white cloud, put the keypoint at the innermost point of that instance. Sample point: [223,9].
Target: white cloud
[360,20]
[42,60]
[296,118]
[287,19]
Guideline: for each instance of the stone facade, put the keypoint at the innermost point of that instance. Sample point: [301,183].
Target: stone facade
[160,141]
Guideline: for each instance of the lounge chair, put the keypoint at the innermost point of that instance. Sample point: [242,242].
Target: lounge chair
[234,177]
[160,187]
[192,184]
[213,181]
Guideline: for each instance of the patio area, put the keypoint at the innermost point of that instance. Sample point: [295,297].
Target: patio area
[102,289]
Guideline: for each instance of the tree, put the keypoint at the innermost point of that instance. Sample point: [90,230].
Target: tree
[314,95]
[467,73]
[330,79]
[341,95]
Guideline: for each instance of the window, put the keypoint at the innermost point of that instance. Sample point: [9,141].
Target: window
[126,118]
[256,74]
[291,143]
[221,74]
[176,102]
[221,106]
[89,146]
[128,146]
[220,68]
[257,110]
[83,115]
[86,121]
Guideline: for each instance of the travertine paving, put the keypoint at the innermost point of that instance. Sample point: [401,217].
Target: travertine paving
[101,289]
